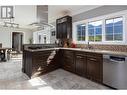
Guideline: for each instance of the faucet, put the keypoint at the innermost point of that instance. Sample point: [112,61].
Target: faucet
[89,46]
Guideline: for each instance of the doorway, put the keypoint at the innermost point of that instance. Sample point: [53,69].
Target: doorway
[17,41]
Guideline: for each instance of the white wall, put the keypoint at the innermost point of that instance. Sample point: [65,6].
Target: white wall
[5,39]
[25,14]
[6,36]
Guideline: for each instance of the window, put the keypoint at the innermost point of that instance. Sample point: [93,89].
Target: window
[53,33]
[95,31]
[101,30]
[114,29]
[81,32]
[6,12]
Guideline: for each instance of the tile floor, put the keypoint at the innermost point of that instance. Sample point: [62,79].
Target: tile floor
[11,77]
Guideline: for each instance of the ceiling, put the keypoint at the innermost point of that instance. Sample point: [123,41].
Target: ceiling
[31,14]
[56,11]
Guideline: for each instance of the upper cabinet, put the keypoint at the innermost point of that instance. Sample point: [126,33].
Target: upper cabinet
[64,28]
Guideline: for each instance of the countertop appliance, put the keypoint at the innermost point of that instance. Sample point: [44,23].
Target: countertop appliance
[115,71]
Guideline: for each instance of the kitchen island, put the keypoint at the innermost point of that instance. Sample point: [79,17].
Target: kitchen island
[36,63]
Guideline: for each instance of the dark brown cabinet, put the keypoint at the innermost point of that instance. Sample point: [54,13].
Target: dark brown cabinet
[64,30]
[68,60]
[59,31]
[53,60]
[38,63]
[94,67]
[64,27]
[85,64]
[80,64]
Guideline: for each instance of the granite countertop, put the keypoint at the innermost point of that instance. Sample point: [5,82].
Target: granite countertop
[36,50]
[83,50]
[99,51]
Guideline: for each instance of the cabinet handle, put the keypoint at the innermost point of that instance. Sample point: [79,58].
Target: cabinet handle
[79,57]
[92,59]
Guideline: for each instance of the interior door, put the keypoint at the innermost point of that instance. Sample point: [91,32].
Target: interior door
[17,41]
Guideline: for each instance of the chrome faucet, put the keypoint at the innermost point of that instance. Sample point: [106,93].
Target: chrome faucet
[89,46]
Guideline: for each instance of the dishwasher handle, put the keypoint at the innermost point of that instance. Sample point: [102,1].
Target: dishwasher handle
[117,59]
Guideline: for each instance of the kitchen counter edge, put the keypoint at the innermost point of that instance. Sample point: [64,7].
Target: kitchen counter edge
[83,50]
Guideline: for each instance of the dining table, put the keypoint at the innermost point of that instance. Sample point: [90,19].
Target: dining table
[4,53]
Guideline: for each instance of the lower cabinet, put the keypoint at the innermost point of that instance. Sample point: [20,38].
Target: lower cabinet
[85,64]
[53,62]
[68,60]
[80,64]
[94,68]
[38,63]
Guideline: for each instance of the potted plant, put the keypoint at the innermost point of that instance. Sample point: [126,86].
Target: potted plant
[31,40]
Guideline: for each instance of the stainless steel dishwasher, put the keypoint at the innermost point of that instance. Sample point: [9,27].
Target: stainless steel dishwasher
[115,71]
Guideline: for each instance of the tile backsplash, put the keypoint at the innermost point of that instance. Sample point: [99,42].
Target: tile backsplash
[120,48]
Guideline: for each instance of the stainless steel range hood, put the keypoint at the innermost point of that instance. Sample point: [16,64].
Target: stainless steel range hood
[42,17]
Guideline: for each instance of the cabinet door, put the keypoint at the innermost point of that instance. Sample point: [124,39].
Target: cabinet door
[68,61]
[80,65]
[64,30]
[59,31]
[53,61]
[94,68]
[64,27]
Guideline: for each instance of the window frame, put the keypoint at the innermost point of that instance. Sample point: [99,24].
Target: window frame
[122,14]
[74,33]
[53,33]
[113,30]
[94,30]
[81,32]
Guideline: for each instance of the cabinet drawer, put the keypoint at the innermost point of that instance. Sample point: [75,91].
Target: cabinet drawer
[68,52]
[80,53]
[92,59]
[96,55]
[68,56]
[41,60]
[41,54]
[80,56]
[97,59]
